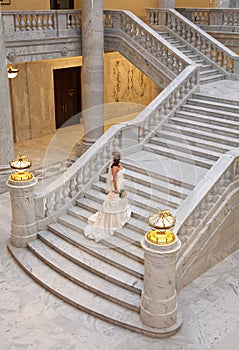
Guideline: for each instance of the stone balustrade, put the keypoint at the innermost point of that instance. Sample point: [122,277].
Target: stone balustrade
[205,209]
[219,18]
[62,193]
[128,25]
[215,51]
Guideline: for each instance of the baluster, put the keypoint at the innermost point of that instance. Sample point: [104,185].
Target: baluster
[204,45]
[78,21]
[177,95]
[79,182]
[85,174]
[214,54]
[22,22]
[220,58]
[39,24]
[209,49]
[33,23]
[65,192]
[167,106]
[221,186]
[28,22]
[68,20]
[195,218]
[117,141]
[50,22]
[140,133]
[72,186]
[49,206]
[183,33]
[16,23]
[57,200]
[189,35]
[198,44]
[225,62]
[173,24]
[214,193]
[44,23]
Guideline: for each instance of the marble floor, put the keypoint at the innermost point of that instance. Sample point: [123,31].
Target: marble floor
[32,318]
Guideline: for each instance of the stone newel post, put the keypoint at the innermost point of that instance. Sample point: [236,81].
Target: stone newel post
[24,223]
[158,307]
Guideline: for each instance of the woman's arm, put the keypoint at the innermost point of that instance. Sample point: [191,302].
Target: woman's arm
[114,173]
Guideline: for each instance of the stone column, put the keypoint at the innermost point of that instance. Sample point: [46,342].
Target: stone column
[24,222]
[166,4]
[92,70]
[6,134]
[158,307]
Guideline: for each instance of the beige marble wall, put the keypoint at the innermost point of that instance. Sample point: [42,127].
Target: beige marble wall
[32,92]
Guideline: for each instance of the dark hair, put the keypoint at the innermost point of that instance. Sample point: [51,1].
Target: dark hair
[116,162]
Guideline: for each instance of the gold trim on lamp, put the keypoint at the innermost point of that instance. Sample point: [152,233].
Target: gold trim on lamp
[21,163]
[161,223]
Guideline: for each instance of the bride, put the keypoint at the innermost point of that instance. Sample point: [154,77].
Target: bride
[115,212]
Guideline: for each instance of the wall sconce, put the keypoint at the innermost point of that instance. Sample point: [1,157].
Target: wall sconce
[21,163]
[12,72]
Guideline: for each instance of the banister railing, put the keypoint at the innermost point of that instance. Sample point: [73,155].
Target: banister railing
[128,25]
[194,212]
[34,24]
[62,193]
[221,19]
[226,59]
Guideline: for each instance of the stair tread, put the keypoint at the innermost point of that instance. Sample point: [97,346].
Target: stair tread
[202,96]
[90,262]
[82,277]
[131,163]
[179,145]
[78,296]
[97,249]
[218,113]
[214,128]
[181,155]
[174,134]
[224,139]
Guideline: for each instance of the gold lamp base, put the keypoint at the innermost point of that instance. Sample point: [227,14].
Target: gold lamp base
[160,237]
[21,176]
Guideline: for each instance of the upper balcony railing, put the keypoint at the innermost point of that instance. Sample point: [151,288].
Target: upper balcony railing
[217,19]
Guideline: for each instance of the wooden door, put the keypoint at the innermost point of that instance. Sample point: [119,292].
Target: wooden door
[62,4]
[67,95]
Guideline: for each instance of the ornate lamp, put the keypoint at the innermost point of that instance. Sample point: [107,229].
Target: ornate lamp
[161,223]
[21,163]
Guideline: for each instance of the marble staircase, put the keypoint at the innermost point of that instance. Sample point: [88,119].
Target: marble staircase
[208,72]
[105,278]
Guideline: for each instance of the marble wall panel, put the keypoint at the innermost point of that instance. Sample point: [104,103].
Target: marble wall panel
[32,92]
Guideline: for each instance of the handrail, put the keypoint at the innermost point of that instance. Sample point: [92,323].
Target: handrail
[207,192]
[225,58]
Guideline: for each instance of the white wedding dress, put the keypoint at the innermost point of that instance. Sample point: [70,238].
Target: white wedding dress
[114,214]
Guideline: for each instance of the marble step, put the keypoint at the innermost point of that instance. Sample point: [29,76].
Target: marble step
[160,185]
[75,218]
[186,148]
[134,165]
[179,155]
[214,121]
[145,191]
[174,134]
[202,97]
[82,298]
[91,263]
[98,250]
[204,127]
[189,130]
[209,72]
[211,78]
[212,115]
[83,277]
[216,105]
